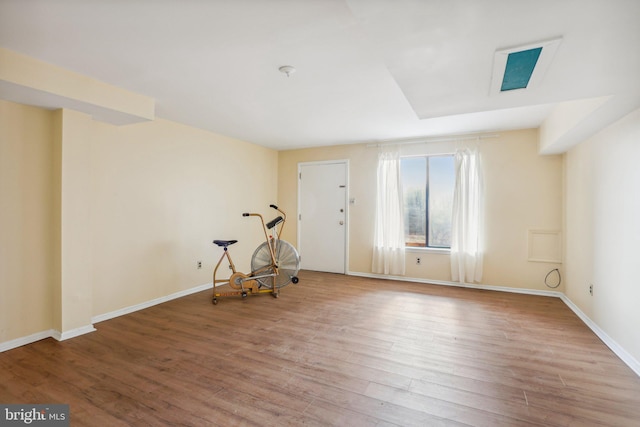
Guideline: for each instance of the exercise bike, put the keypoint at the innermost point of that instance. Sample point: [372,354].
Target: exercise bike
[274,264]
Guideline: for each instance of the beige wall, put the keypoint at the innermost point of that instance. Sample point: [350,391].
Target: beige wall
[603,231]
[75,220]
[161,193]
[523,191]
[27,229]
[96,218]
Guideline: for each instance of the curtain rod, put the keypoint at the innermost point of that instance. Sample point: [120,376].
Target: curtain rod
[423,140]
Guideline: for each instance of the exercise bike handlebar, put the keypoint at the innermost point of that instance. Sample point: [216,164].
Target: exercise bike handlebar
[271,206]
[279,210]
[279,220]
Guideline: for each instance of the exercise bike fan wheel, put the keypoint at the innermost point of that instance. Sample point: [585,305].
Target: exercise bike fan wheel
[287,260]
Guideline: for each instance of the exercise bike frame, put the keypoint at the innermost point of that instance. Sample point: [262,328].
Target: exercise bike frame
[247,284]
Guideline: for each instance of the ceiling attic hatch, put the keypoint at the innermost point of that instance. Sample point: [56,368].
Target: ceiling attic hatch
[522,67]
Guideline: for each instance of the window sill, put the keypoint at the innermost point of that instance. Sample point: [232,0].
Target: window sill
[414,249]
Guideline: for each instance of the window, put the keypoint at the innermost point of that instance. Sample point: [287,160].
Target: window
[427,184]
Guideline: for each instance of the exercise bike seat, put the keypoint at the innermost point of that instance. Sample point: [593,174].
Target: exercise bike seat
[224,243]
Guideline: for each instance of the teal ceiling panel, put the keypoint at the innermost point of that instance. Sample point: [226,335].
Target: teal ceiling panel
[520,66]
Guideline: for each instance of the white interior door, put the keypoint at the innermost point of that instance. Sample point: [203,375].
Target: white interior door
[322,216]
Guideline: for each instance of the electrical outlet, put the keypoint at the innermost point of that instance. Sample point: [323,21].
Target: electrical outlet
[591,289]
[199,265]
[418,260]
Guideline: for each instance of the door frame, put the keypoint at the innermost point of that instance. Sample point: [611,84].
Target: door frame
[347,198]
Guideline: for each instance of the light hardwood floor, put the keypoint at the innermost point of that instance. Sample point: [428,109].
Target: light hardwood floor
[334,350]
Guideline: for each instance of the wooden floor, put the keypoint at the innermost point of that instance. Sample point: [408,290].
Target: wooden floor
[334,350]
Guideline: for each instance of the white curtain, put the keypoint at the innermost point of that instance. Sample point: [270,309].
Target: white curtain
[467,222]
[388,244]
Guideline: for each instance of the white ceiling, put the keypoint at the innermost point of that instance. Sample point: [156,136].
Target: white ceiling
[367,70]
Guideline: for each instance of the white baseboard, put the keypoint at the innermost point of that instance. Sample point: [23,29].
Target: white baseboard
[51,333]
[628,359]
[19,342]
[460,285]
[151,303]
[610,342]
[61,336]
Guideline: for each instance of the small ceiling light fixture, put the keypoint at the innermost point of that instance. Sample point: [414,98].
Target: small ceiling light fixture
[287,69]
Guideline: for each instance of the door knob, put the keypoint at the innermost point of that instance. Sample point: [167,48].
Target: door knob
[341,222]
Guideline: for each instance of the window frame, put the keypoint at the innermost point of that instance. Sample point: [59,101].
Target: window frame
[426,247]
